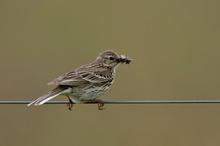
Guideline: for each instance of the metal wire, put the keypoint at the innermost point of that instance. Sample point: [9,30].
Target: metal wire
[126,102]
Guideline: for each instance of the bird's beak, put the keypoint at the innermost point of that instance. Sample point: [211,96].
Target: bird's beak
[124,59]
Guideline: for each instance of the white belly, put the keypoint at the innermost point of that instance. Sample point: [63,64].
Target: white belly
[79,96]
[82,95]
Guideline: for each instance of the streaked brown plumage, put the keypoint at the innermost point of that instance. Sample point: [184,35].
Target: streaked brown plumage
[87,82]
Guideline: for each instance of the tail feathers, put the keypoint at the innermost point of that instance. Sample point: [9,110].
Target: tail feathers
[48,96]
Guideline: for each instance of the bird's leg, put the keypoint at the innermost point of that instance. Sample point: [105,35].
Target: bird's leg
[70,104]
[100,104]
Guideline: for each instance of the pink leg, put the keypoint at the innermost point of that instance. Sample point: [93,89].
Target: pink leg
[100,104]
[70,104]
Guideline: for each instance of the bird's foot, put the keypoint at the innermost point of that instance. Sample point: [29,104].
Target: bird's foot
[100,104]
[70,104]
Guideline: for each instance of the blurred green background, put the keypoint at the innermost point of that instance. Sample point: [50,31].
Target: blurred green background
[175,50]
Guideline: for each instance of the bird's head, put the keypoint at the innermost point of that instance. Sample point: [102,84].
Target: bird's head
[111,59]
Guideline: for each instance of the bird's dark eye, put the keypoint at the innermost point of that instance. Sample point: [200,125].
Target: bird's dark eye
[111,58]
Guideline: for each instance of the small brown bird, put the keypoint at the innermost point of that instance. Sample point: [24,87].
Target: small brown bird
[88,82]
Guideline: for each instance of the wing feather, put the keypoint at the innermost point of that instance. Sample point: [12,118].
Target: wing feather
[84,75]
